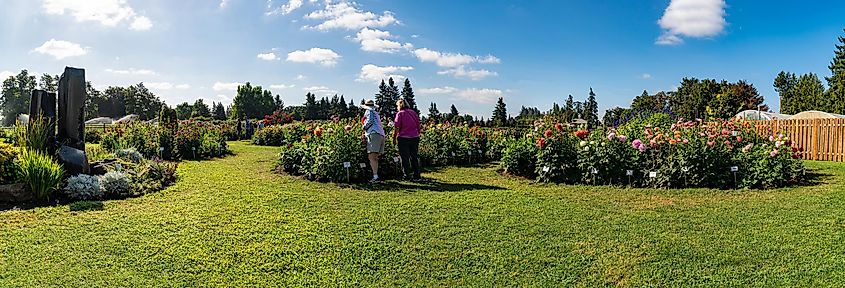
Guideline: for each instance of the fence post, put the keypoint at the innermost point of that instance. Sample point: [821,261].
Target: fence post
[814,138]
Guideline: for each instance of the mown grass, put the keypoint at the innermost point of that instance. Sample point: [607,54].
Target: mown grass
[232,222]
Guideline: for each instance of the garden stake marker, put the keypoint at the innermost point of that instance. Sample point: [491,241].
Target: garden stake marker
[734,169]
[629,173]
[347,165]
[194,151]
[161,153]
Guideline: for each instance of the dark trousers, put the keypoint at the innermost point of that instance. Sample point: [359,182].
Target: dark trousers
[409,149]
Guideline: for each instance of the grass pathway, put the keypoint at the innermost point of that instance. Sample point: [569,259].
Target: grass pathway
[232,222]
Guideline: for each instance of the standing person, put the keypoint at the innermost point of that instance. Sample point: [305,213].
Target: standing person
[374,133]
[407,136]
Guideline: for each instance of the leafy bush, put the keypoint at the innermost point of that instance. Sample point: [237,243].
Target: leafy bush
[188,140]
[280,135]
[8,168]
[40,172]
[96,153]
[115,184]
[83,187]
[93,135]
[153,176]
[519,157]
[557,158]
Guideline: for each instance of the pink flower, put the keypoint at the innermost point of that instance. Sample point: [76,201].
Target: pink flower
[611,136]
[636,143]
[747,147]
[685,141]
[711,143]
[771,138]
[622,138]
[778,143]
[652,143]
[347,128]
[727,142]
[774,153]
[642,148]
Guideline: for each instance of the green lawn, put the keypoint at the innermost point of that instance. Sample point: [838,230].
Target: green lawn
[233,222]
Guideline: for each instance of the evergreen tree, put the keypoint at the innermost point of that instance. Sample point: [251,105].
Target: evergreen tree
[311,108]
[184,111]
[201,109]
[49,83]
[453,111]
[383,100]
[434,114]
[219,111]
[253,102]
[591,109]
[500,113]
[569,110]
[836,82]
[809,91]
[408,95]
[785,86]
[278,103]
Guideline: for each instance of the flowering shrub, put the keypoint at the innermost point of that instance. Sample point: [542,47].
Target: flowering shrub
[280,135]
[716,154]
[189,139]
[442,145]
[278,118]
[83,187]
[322,152]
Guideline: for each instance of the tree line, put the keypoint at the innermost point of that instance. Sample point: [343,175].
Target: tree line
[807,92]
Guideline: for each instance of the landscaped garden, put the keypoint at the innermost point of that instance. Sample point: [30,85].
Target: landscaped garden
[234,220]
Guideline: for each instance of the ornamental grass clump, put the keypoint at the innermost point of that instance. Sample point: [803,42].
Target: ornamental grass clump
[40,172]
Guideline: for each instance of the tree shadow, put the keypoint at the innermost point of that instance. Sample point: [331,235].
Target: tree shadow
[424,185]
[815,177]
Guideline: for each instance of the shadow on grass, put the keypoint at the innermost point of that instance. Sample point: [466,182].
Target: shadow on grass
[815,177]
[424,185]
[81,206]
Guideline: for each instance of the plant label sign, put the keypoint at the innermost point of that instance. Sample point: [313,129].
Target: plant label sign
[160,149]
[545,168]
[629,172]
[194,148]
[594,171]
[652,174]
[479,152]
[469,153]
[734,168]
[685,169]
[347,164]
[396,159]
[734,133]
[362,165]
[453,154]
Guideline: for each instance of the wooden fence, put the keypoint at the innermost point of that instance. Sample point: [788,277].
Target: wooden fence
[821,139]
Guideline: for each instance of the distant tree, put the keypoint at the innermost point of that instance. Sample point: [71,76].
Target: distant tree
[785,86]
[734,98]
[692,97]
[219,112]
[434,114]
[184,111]
[49,83]
[646,104]
[92,108]
[500,113]
[453,111]
[591,110]
[615,116]
[408,95]
[278,103]
[201,109]
[16,92]
[311,107]
[386,98]
[810,91]
[569,110]
[253,102]
[836,82]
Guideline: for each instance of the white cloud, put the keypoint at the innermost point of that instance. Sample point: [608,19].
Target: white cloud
[325,57]
[223,86]
[461,72]
[166,86]
[373,73]
[346,15]
[438,90]
[691,18]
[61,49]
[284,9]
[5,75]
[645,76]
[270,56]
[452,60]
[141,23]
[374,40]
[483,96]
[224,3]
[320,90]
[107,12]
[132,71]
[281,86]
[301,77]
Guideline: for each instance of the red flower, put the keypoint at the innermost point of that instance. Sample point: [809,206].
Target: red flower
[548,133]
[541,143]
[582,134]
[558,127]
[318,132]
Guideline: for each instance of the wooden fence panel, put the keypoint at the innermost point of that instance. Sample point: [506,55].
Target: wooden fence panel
[820,139]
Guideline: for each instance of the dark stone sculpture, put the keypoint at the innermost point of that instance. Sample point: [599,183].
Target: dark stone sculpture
[72,96]
[74,160]
[44,104]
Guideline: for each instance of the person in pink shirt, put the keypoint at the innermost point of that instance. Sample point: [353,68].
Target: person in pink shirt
[406,133]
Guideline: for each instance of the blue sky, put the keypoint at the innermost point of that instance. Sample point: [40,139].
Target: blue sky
[466,53]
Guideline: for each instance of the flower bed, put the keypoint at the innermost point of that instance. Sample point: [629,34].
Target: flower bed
[188,140]
[718,154]
[326,151]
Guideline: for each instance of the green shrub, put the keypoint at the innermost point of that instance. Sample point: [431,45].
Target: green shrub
[8,168]
[35,134]
[153,176]
[129,154]
[96,153]
[557,160]
[40,172]
[519,157]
